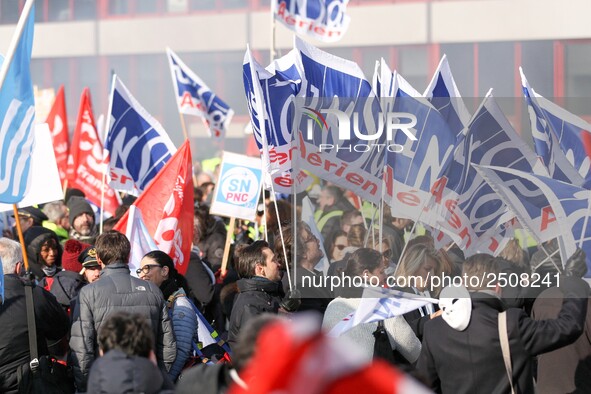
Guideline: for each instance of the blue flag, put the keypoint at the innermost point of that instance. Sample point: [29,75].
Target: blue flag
[545,142]
[195,98]
[269,95]
[137,144]
[466,207]
[427,146]
[547,207]
[339,127]
[444,95]
[17,111]
[568,129]
[325,20]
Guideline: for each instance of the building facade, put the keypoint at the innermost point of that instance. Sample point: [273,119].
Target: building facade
[80,43]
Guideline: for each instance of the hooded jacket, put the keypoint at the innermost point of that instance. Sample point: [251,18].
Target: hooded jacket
[34,238]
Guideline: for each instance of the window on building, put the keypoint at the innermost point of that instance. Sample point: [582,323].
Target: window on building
[197,5]
[118,7]
[85,9]
[231,4]
[57,10]
[9,11]
[538,65]
[578,78]
[461,62]
[147,6]
[413,65]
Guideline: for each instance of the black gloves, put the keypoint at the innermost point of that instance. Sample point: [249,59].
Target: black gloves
[292,301]
[576,265]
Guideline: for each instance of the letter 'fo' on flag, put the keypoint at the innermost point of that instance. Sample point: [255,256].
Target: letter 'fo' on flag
[325,20]
[17,111]
[137,144]
[193,97]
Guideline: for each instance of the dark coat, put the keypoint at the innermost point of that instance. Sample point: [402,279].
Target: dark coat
[50,319]
[210,379]
[257,296]
[117,291]
[568,369]
[65,286]
[116,372]
[471,360]
[199,280]
[212,246]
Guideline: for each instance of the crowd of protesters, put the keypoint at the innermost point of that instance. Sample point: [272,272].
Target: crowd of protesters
[119,332]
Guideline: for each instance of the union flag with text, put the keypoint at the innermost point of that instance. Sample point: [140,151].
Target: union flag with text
[167,208]
[86,163]
[58,125]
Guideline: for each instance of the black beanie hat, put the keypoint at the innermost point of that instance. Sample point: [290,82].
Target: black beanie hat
[77,206]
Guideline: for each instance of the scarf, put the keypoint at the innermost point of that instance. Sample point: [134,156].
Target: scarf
[49,271]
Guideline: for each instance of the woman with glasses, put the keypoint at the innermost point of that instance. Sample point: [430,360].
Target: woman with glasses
[157,267]
[336,245]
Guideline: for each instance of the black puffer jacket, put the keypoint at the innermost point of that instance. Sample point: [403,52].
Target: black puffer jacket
[117,291]
[51,321]
[257,296]
[116,372]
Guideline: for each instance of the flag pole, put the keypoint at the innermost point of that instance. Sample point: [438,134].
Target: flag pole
[105,165]
[20,237]
[229,235]
[273,28]
[183,125]
[15,40]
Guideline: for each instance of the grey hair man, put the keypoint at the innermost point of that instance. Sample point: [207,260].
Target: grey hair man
[51,320]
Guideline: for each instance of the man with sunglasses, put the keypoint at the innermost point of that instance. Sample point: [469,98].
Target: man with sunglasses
[117,291]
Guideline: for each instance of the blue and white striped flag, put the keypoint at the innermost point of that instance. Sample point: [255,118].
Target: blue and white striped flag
[195,98]
[545,142]
[17,113]
[546,207]
[377,304]
[137,144]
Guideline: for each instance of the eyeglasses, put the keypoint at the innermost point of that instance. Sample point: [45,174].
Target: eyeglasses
[387,253]
[146,268]
[340,247]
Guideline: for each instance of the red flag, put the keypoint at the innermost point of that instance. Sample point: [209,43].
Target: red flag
[58,124]
[586,137]
[293,357]
[167,208]
[85,163]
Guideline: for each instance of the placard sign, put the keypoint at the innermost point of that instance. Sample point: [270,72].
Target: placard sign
[238,187]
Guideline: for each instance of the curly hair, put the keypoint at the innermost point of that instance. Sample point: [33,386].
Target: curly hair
[128,332]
